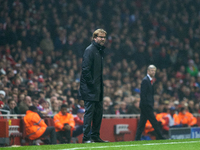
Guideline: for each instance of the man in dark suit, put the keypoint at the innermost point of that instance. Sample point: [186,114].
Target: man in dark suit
[147,103]
[91,86]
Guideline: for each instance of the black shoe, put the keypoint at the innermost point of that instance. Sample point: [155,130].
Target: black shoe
[88,141]
[98,140]
[46,141]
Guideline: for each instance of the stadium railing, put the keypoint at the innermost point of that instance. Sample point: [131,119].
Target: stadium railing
[104,116]
[7,111]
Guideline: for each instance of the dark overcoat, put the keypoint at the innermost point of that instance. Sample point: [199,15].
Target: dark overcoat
[91,82]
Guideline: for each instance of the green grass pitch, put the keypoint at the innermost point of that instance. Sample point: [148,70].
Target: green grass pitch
[184,144]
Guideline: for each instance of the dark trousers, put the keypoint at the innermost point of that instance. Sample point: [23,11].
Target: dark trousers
[93,114]
[147,114]
[52,132]
[78,131]
[64,136]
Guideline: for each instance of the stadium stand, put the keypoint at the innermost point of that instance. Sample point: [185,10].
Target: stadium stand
[42,42]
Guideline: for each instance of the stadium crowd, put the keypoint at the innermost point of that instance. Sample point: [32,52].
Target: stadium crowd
[42,43]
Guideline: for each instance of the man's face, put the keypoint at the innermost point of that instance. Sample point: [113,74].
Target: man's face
[6,90]
[60,102]
[56,103]
[172,112]
[100,39]
[15,90]
[81,103]
[116,107]
[80,115]
[1,96]
[31,88]
[184,111]
[63,110]
[15,97]
[72,100]
[35,102]
[12,105]
[28,101]
[106,102]
[21,97]
[42,95]
[152,72]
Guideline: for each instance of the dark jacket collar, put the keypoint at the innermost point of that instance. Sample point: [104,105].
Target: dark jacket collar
[98,46]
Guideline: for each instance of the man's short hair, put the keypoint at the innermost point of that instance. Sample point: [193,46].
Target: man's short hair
[96,33]
[34,98]
[10,100]
[33,108]
[63,106]
[60,98]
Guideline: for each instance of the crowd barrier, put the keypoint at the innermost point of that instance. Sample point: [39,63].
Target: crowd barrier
[113,128]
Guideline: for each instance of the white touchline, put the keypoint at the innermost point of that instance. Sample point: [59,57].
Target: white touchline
[129,145]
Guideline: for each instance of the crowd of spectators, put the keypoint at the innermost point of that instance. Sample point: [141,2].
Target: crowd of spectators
[42,42]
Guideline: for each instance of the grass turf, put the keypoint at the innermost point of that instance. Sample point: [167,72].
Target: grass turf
[184,144]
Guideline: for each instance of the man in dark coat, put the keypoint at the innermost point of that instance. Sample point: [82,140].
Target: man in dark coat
[91,86]
[147,103]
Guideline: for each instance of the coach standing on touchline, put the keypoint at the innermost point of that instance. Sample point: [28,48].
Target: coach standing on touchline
[91,86]
[147,103]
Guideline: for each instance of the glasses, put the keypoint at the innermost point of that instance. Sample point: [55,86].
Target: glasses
[101,37]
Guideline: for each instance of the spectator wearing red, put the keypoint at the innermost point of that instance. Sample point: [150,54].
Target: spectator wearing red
[1,104]
[79,118]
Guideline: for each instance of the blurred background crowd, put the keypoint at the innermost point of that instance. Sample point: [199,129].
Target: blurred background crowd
[42,43]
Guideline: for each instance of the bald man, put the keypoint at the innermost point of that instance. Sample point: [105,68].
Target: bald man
[25,104]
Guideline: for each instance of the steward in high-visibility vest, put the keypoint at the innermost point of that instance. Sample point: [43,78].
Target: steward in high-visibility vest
[64,124]
[35,127]
[186,118]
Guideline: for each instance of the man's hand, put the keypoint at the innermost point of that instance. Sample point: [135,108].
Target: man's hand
[67,127]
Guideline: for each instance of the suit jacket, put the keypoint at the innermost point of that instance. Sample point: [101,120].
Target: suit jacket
[91,82]
[147,93]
